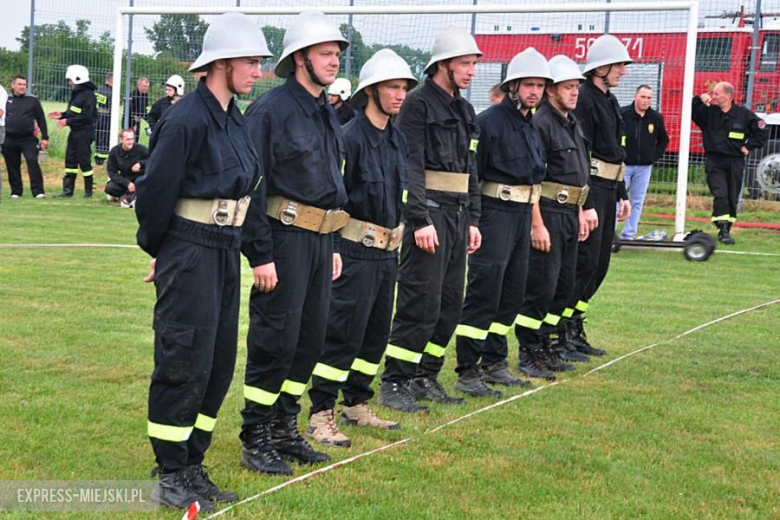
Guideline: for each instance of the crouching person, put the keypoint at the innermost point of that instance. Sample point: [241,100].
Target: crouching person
[126,162]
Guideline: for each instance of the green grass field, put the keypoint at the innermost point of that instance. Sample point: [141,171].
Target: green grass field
[687,429]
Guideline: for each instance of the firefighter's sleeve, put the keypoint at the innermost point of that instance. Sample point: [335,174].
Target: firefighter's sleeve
[411,122]
[475,199]
[757,133]
[79,113]
[699,112]
[256,236]
[40,118]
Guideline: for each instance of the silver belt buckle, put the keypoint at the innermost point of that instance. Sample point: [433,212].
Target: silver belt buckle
[369,236]
[289,214]
[221,216]
[506,193]
[563,196]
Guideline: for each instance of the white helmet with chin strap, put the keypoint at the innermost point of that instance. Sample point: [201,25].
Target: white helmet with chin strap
[451,43]
[563,68]
[527,64]
[78,74]
[341,88]
[384,65]
[606,50]
[307,29]
[231,35]
[177,82]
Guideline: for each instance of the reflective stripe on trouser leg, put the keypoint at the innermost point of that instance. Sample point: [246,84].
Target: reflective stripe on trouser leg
[330,373]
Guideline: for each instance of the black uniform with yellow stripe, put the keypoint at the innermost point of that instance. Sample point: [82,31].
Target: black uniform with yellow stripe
[362,303]
[442,133]
[200,152]
[724,135]
[509,158]
[302,150]
[81,115]
[103,129]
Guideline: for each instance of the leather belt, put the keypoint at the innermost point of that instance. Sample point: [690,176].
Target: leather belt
[605,170]
[447,181]
[216,212]
[563,194]
[372,235]
[527,194]
[291,213]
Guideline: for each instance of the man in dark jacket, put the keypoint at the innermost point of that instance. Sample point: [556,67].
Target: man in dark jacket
[139,106]
[23,111]
[126,162]
[646,142]
[80,116]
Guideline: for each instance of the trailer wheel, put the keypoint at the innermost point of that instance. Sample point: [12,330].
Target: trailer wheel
[698,247]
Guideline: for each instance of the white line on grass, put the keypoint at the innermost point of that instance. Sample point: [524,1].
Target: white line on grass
[486,408]
[751,253]
[57,246]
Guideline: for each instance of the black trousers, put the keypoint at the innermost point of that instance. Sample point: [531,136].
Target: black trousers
[358,327]
[724,177]
[430,296]
[196,333]
[496,283]
[13,150]
[550,277]
[102,136]
[115,189]
[287,326]
[78,153]
[594,254]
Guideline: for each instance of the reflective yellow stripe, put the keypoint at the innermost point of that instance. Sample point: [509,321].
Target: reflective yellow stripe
[71,170]
[581,306]
[293,388]
[434,350]
[499,328]
[75,110]
[101,155]
[205,423]
[568,312]
[714,219]
[468,331]
[736,135]
[343,166]
[528,323]
[169,433]
[148,108]
[330,373]
[473,145]
[403,354]
[552,319]
[623,141]
[732,219]
[364,367]
[259,395]
[405,197]
[100,98]
[87,174]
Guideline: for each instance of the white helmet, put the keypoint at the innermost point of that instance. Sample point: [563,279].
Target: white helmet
[384,65]
[78,74]
[341,88]
[309,28]
[606,50]
[563,68]
[527,64]
[177,82]
[451,43]
[231,35]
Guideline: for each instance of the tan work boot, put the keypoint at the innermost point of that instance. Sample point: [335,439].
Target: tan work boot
[322,428]
[362,415]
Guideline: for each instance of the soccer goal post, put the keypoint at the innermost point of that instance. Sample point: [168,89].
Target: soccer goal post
[659,35]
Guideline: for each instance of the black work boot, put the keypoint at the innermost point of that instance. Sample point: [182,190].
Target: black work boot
[258,452]
[427,389]
[88,183]
[551,359]
[532,362]
[579,339]
[727,238]
[202,484]
[565,350]
[68,184]
[397,396]
[498,373]
[291,445]
[175,490]
[470,383]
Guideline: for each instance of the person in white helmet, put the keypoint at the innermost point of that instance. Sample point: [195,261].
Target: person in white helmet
[191,203]
[599,113]
[362,303]
[289,240]
[80,115]
[442,224]
[338,96]
[510,166]
[563,217]
[174,90]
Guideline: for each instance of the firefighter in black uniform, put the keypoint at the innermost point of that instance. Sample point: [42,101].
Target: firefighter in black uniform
[103,127]
[338,96]
[730,132]
[138,106]
[174,90]
[191,203]
[442,219]
[563,217]
[126,162]
[292,242]
[511,166]
[599,114]
[80,116]
[362,303]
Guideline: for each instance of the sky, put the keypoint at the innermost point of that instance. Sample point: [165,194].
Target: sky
[15,19]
